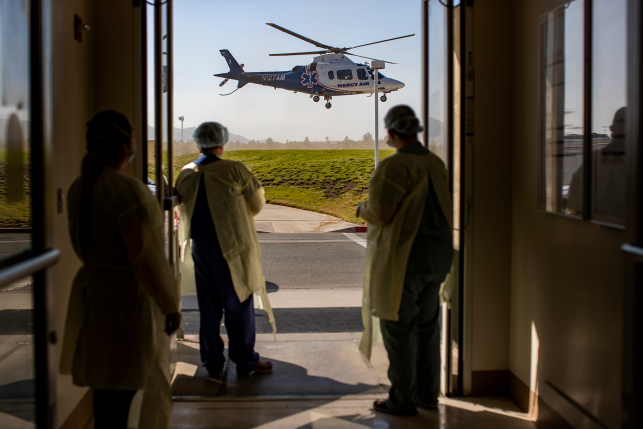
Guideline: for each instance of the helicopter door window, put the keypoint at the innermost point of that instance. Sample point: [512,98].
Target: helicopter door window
[345,74]
[361,74]
[331,75]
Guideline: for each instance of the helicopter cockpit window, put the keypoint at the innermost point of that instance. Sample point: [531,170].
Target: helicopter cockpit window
[296,68]
[372,74]
[331,75]
[345,74]
[361,74]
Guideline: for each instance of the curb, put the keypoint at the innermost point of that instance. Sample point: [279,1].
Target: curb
[361,229]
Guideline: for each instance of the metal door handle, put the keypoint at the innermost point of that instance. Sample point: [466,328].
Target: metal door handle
[28,267]
[635,252]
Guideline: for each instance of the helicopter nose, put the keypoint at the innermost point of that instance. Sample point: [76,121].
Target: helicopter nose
[393,84]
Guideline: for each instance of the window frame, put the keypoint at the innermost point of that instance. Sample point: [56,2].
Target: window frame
[586,191]
[331,75]
[364,72]
[350,74]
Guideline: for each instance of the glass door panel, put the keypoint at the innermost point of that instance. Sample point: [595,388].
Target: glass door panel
[17,371]
[15,144]
[609,111]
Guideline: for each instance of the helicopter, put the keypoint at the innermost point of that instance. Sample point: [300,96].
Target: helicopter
[331,73]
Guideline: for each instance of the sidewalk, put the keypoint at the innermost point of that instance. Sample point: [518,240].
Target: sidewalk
[281,219]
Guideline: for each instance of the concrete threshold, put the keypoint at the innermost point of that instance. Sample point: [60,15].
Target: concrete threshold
[271,398]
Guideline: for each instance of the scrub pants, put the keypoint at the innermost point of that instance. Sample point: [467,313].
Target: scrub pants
[216,295]
[413,343]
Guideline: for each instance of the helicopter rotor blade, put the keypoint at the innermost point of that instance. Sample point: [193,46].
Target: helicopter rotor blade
[298,53]
[348,53]
[381,41]
[299,36]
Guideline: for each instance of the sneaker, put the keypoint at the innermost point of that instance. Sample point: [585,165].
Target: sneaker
[429,405]
[381,405]
[262,367]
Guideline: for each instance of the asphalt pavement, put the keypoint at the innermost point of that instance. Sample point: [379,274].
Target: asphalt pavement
[312,261]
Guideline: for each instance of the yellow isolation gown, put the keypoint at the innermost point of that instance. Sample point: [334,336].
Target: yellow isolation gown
[396,199]
[234,197]
[115,329]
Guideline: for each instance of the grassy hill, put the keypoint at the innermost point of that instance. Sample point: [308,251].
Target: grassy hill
[326,181]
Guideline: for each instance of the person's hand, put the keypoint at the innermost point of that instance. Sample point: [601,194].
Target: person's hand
[359,209]
[172,322]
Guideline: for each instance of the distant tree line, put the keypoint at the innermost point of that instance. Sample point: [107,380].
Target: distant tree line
[270,144]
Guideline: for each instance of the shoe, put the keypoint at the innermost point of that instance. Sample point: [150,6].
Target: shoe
[215,376]
[382,406]
[429,405]
[262,367]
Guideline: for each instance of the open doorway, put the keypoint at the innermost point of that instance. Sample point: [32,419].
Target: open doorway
[314,280]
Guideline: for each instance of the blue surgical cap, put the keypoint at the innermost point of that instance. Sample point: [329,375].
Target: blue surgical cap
[210,134]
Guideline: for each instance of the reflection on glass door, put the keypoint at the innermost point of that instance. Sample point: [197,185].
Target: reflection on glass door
[15,148]
[437,85]
[444,134]
[17,365]
[562,88]
[609,101]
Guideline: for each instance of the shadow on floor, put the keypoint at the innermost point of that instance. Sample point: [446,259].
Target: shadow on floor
[18,389]
[292,320]
[25,411]
[288,379]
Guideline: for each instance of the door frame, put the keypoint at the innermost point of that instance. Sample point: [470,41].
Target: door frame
[36,261]
[632,387]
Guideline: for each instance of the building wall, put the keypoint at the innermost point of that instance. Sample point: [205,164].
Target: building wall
[73,105]
[566,274]
[490,171]
[102,72]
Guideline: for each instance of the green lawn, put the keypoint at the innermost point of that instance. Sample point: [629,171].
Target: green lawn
[326,181]
[15,214]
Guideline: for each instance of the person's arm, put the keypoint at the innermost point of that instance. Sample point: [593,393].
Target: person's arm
[384,197]
[253,193]
[142,233]
[257,201]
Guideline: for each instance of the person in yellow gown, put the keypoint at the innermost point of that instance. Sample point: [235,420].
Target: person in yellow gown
[221,253]
[409,254]
[124,299]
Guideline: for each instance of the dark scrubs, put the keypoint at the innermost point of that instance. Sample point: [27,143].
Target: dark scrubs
[216,294]
[413,342]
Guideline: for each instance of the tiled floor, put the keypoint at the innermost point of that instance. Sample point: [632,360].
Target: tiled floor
[337,414]
[319,381]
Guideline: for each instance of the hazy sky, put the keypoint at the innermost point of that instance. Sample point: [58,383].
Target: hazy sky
[202,27]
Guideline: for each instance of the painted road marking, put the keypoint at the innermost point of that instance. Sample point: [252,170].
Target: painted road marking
[356,238]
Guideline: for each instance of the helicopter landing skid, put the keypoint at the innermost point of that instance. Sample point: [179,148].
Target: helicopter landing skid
[223,95]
